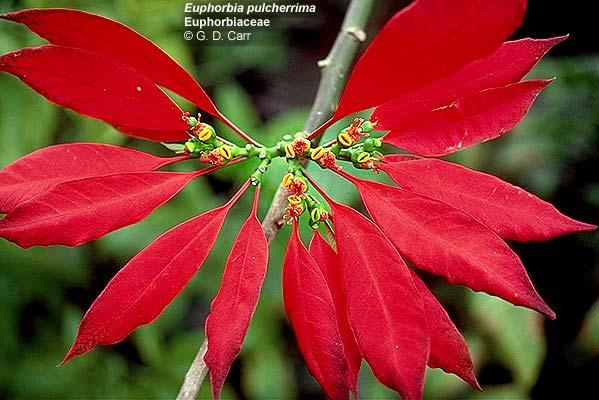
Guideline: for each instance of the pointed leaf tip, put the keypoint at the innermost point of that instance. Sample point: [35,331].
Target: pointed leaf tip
[114,40]
[508,65]
[326,259]
[430,50]
[449,350]
[38,172]
[98,87]
[311,311]
[468,121]
[233,307]
[448,242]
[150,281]
[508,210]
[385,311]
[76,212]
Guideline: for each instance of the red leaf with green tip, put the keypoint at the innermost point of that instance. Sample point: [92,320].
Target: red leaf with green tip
[470,120]
[326,258]
[448,242]
[140,291]
[39,171]
[234,305]
[508,210]
[509,64]
[310,308]
[114,40]
[76,212]
[384,307]
[449,350]
[98,87]
[426,41]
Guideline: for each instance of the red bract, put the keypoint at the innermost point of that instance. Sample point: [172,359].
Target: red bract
[509,64]
[234,305]
[468,121]
[139,293]
[326,258]
[310,308]
[448,242]
[75,212]
[117,41]
[384,307]
[41,170]
[449,350]
[98,87]
[426,41]
[510,211]
[440,79]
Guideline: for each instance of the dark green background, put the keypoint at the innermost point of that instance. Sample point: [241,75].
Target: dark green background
[267,88]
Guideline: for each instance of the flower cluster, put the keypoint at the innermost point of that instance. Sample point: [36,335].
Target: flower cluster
[349,298]
[295,190]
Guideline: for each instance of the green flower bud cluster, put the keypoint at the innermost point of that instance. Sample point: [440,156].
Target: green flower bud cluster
[195,146]
[360,153]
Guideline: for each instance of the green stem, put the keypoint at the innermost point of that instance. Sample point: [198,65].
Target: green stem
[262,168]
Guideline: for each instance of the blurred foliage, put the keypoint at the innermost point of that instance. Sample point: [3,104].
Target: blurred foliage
[44,291]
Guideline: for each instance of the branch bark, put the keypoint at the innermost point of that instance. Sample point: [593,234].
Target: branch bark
[194,376]
[334,70]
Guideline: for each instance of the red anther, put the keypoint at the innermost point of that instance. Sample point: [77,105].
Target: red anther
[301,146]
[297,187]
[355,129]
[197,128]
[357,122]
[294,211]
[324,216]
[328,160]
[212,157]
[186,116]
[371,165]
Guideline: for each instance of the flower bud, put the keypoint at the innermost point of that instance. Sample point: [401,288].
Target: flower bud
[315,215]
[367,126]
[192,121]
[190,147]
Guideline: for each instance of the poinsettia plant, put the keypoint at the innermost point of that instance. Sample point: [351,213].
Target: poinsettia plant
[439,76]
